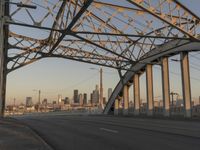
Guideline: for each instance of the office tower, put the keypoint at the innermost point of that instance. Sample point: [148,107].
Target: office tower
[81,99]
[91,98]
[95,95]
[109,92]
[59,98]
[29,101]
[76,100]
[84,99]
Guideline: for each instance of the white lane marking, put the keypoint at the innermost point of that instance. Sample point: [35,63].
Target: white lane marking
[109,130]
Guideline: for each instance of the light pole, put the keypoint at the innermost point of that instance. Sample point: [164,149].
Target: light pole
[101,88]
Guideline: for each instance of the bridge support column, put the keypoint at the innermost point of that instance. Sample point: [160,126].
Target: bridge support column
[149,82]
[126,99]
[4,11]
[136,94]
[165,86]
[116,109]
[185,72]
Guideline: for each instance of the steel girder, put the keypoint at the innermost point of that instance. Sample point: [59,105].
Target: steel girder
[109,33]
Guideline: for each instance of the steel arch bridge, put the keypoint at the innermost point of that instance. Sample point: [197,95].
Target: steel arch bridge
[127,35]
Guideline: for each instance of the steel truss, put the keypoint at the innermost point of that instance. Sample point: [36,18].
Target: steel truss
[114,34]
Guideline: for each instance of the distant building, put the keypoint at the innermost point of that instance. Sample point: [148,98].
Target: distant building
[59,99]
[76,99]
[95,95]
[80,99]
[44,102]
[29,102]
[67,100]
[109,92]
[91,100]
[84,99]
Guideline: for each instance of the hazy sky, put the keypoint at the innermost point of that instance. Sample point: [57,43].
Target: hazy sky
[55,76]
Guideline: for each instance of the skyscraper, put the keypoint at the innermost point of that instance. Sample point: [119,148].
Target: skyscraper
[109,92]
[76,100]
[81,99]
[29,101]
[84,99]
[95,95]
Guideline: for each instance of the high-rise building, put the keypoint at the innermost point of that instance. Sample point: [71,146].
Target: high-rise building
[81,99]
[29,101]
[109,92]
[84,99]
[91,98]
[76,100]
[67,100]
[59,98]
[95,95]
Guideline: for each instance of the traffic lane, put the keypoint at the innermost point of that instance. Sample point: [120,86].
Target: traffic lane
[165,126]
[66,133]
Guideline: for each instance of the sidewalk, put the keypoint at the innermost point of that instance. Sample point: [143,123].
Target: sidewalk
[16,136]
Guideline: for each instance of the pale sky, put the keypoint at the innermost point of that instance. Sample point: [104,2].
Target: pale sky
[55,76]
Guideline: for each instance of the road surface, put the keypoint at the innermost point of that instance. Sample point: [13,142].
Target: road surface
[75,132]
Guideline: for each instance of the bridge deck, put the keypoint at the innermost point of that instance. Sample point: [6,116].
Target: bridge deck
[103,132]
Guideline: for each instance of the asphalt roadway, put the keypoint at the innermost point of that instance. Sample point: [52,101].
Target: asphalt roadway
[76,132]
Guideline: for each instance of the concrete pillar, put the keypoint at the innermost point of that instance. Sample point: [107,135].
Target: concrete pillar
[149,82]
[125,99]
[185,72]
[116,109]
[165,86]
[136,94]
